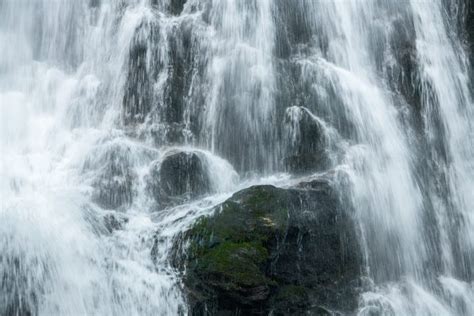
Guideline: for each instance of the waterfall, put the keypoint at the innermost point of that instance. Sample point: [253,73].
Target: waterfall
[124,121]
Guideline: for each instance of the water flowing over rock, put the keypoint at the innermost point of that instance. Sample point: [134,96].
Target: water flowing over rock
[113,185]
[179,176]
[271,250]
[234,157]
[306,141]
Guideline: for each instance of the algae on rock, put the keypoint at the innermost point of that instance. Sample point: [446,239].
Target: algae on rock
[268,249]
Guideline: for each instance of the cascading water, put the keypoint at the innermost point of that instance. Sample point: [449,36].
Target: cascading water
[123,122]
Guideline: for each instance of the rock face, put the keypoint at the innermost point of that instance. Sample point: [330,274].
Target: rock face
[272,250]
[305,141]
[403,75]
[137,98]
[114,184]
[180,176]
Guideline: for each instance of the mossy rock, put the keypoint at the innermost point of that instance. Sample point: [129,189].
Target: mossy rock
[272,250]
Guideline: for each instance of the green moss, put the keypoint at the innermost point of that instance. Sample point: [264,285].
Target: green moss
[243,258]
[228,253]
[236,264]
[243,222]
[229,224]
[292,294]
[260,198]
[230,247]
[268,205]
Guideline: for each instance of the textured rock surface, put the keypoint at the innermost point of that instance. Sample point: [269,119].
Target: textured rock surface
[306,143]
[180,176]
[267,249]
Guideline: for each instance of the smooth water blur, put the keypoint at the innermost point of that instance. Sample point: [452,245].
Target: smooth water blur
[86,86]
[60,81]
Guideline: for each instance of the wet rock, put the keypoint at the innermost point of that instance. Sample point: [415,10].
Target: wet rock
[113,176]
[181,176]
[137,98]
[176,6]
[305,141]
[292,29]
[138,91]
[402,72]
[169,134]
[114,190]
[179,73]
[114,222]
[165,72]
[271,250]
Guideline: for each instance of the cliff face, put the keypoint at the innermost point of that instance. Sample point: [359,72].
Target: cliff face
[234,157]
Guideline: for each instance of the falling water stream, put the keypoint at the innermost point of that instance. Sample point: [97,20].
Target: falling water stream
[95,94]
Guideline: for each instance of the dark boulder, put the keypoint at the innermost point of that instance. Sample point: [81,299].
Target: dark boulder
[180,176]
[271,250]
[305,141]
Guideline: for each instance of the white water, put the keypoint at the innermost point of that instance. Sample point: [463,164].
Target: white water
[63,76]
[242,80]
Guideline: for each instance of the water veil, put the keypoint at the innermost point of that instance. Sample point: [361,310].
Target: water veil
[122,122]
